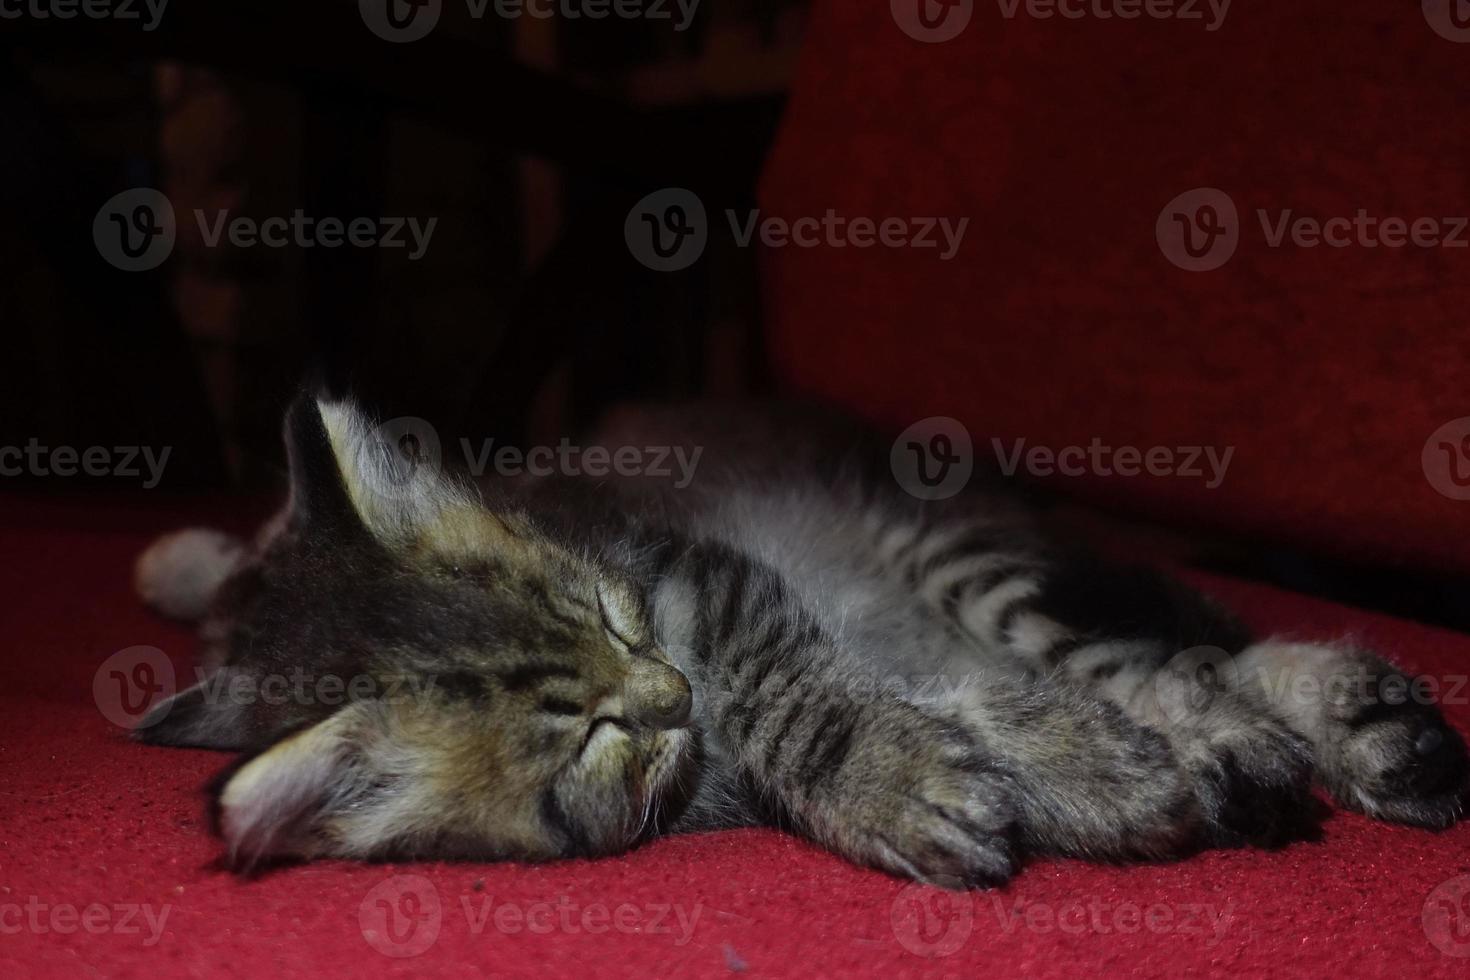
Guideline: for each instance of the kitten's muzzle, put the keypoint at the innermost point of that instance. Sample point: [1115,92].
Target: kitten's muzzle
[657,695]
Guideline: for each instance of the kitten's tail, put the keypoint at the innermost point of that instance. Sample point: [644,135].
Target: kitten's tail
[179,574]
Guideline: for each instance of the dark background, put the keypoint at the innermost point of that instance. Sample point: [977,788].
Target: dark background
[529,140]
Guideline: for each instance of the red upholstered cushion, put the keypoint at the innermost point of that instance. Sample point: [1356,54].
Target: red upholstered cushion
[1061,319]
[98,834]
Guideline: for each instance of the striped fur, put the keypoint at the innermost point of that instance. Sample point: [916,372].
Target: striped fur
[934,689]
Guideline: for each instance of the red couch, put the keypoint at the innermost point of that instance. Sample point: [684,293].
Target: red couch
[1337,374]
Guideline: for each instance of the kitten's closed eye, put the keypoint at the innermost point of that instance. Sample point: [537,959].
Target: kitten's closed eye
[560,706]
[624,615]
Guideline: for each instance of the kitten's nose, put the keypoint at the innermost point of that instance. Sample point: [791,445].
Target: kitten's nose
[657,695]
[1428,741]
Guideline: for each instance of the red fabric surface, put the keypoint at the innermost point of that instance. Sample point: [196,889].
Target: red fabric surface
[1061,320]
[88,818]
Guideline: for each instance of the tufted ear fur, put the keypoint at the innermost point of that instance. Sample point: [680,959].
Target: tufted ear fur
[349,472]
[282,803]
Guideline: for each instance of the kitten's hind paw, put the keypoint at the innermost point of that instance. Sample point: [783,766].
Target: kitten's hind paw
[1253,780]
[1382,746]
[1393,757]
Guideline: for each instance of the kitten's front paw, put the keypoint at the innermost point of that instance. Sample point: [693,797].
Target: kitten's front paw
[928,806]
[1389,753]
[949,828]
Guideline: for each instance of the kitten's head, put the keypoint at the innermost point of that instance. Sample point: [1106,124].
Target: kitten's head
[518,703]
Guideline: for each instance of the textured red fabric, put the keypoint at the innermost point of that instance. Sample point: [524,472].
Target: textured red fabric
[1061,320]
[88,818]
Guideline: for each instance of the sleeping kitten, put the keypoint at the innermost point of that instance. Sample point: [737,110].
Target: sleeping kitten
[565,667]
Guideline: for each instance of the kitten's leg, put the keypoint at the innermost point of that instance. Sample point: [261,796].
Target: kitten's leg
[880,783]
[1112,630]
[935,793]
[1382,745]
[1090,782]
[1272,712]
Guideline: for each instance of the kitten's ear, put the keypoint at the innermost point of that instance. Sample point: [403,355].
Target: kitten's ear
[318,493]
[285,802]
[204,716]
[347,470]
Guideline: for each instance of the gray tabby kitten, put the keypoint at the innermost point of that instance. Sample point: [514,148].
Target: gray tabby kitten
[567,667]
